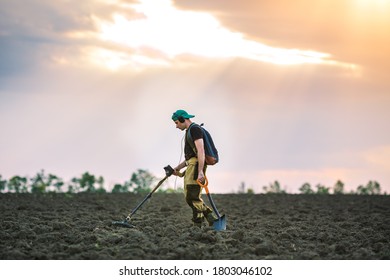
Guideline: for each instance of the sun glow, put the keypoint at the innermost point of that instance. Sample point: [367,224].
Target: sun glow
[115,60]
[372,9]
[162,28]
[372,2]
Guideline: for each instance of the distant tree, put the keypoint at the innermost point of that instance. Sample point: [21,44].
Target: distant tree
[338,188]
[18,184]
[100,183]
[372,187]
[362,190]
[273,188]
[118,188]
[140,181]
[242,188]
[3,184]
[41,183]
[87,183]
[56,182]
[306,189]
[250,191]
[321,189]
[73,186]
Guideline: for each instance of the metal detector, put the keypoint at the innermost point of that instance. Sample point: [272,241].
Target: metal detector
[126,223]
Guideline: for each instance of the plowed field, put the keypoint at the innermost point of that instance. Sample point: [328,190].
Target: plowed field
[78,226]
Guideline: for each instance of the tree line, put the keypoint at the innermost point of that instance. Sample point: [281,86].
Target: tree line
[371,188]
[142,181]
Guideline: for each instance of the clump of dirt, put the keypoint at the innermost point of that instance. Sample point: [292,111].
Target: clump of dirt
[78,226]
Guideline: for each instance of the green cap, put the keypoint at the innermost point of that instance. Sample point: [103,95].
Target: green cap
[181,113]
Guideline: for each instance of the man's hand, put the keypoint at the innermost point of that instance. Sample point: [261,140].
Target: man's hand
[176,172]
[201,177]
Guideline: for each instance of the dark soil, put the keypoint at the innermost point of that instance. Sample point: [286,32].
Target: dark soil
[78,226]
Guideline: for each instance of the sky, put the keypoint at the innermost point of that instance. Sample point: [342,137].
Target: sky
[293,91]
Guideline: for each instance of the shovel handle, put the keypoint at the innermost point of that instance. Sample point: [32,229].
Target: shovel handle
[204,185]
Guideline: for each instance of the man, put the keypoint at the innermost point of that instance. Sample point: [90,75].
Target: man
[196,168]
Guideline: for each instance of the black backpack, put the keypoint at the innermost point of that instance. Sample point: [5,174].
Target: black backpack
[211,152]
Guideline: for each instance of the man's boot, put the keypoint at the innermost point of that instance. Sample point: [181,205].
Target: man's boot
[211,218]
[198,219]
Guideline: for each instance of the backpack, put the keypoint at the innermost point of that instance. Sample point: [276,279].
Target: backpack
[211,153]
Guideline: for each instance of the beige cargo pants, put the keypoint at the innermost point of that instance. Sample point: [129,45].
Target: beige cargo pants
[193,193]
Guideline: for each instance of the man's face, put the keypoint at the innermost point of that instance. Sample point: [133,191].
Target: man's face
[180,125]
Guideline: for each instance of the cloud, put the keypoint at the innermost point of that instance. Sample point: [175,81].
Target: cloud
[132,35]
[355,32]
[174,32]
[35,33]
[63,109]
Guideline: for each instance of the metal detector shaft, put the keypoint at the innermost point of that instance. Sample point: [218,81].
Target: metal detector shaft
[146,198]
[125,223]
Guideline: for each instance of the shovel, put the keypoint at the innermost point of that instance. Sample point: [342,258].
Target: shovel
[126,223]
[220,223]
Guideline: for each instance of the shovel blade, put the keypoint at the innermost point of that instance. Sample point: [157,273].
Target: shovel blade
[124,223]
[220,224]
